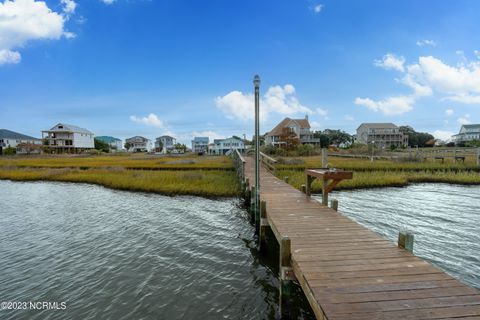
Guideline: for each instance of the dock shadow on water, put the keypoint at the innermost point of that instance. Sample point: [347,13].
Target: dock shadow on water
[117,255]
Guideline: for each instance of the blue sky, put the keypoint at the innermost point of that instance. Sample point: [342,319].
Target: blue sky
[132,67]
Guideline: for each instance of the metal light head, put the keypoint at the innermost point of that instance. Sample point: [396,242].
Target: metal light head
[256,81]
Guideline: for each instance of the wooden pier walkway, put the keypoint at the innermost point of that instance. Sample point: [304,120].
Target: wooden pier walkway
[349,272]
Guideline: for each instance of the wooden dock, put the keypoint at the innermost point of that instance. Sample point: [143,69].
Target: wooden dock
[349,272]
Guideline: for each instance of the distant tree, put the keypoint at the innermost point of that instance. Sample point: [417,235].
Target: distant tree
[127,145]
[101,146]
[332,137]
[290,138]
[180,147]
[416,138]
[9,151]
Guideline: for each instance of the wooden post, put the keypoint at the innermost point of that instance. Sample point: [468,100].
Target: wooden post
[405,240]
[263,225]
[325,182]
[286,277]
[285,179]
[257,216]
[303,188]
[478,156]
[248,196]
[308,189]
[335,204]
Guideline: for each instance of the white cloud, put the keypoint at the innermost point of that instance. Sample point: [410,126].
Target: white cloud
[69,6]
[389,106]
[418,89]
[208,133]
[449,112]
[108,1]
[317,8]
[443,135]
[315,125]
[22,21]
[349,117]
[390,61]
[277,99]
[150,120]
[464,120]
[7,56]
[477,53]
[322,112]
[422,43]
[460,83]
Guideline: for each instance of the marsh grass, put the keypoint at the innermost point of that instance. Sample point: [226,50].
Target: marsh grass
[375,179]
[132,162]
[201,183]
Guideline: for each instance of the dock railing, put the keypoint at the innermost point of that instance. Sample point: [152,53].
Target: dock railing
[268,161]
[239,163]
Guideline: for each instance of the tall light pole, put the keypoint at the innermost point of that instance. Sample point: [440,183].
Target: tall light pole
[256,83]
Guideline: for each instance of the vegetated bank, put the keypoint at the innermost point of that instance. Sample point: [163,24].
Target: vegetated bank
[380,173]
[186,175]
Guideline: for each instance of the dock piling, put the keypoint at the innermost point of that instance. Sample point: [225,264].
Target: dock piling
[252,204]
[285,179]
[325,182]
[334,203]
[405,240]
[263,225]
[286,277]
[304,188]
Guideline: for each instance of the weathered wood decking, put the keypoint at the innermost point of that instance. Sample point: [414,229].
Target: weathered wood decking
[349,272]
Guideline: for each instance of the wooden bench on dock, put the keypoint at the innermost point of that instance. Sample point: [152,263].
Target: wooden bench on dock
[347,271]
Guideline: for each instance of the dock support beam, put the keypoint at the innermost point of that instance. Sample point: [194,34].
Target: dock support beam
[405,240]
[262,227]
[286,277]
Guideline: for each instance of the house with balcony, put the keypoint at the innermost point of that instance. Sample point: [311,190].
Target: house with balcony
[18,141]
[167,143]
[67,138]
[138,144]
[114,143]
[226,146]
[382,135]
[200,144]
[291,130]
[468,133]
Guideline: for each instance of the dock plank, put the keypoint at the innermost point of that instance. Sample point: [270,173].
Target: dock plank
[349,272]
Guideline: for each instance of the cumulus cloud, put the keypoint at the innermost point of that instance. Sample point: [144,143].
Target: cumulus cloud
[389,106]
[7,56]
[426,42]
[277,99]
[151,120]
[464,120]
[428,76]
[69,6]
[108,1]
[443,135]
[390,61]
[317,8]
[449,112]
[349,117]
[322,112]
[22,21]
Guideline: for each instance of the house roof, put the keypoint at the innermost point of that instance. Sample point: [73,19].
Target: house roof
[136,137]
[70,128]
[469,126]
[303,123]
[7,134]
[387,125]
[107,139]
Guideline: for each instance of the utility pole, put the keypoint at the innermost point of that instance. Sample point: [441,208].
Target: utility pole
[256,83]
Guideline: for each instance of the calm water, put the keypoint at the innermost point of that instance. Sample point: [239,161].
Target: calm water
[118,255]
[445,220]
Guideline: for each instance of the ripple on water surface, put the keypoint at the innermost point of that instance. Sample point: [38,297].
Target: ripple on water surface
[119,255]
[445,219]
